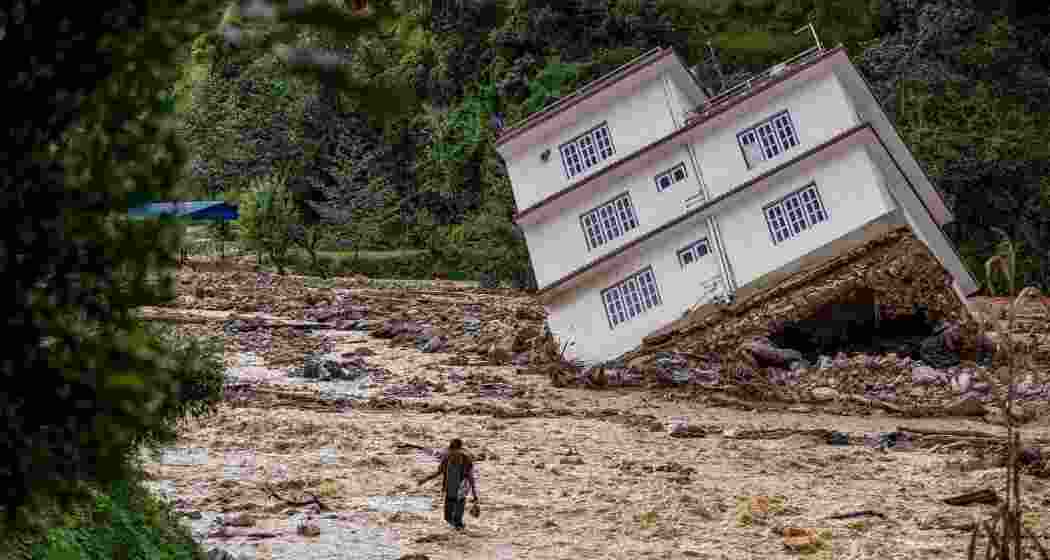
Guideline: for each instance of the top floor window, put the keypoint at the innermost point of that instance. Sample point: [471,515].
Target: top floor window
[768,139]
[586,150]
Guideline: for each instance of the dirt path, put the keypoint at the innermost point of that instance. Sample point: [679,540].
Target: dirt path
[561,487]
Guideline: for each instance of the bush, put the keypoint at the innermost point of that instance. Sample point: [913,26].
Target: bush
[197,368]
[124,521]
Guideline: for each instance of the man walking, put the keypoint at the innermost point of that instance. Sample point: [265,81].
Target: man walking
[457,471]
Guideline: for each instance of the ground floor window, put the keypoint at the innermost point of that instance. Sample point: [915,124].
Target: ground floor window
[631,297]
[692,252]
[794,213]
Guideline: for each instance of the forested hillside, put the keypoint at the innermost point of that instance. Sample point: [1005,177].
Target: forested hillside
[966,81]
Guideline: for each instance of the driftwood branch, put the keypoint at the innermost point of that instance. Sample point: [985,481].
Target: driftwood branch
[985,496]
[314,500]
[861,513]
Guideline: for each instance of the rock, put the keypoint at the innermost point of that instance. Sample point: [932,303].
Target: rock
[965,406]
[521,359]
[240,520]
[961,383]
[220,554]
[824,394]
[1020,412]
[362,351]
[982,388]
[435,343]
[798,539]
[824,362]
[501,353]
[925,375]
[192,514]
[523,338]
[571,460]
[1031,456]
[308,529]
[767,354]
[798,366]
[394,328]
[329,370]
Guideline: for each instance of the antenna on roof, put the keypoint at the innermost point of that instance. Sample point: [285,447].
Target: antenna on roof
[712,59]
[812,30]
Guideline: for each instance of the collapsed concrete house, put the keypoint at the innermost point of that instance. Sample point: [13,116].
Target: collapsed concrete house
[643,199]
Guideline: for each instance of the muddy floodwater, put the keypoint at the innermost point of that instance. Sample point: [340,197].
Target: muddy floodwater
[310,469]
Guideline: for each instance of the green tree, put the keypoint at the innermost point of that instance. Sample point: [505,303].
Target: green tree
[85,381]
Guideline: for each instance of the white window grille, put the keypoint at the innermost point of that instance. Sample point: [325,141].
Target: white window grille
[631,297]
[692,252]
[768,139]
[609,221]
[676,174]
[794,213]
[587,150]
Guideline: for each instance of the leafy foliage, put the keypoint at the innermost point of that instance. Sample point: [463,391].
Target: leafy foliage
[939,68]
[123,521]
[269,213]
[92,131]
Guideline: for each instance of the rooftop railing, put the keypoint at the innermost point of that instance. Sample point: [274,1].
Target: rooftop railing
[746,86]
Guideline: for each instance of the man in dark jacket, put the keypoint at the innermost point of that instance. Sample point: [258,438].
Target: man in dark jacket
[457,472]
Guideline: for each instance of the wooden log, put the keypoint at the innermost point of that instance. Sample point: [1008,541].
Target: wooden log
[983,496]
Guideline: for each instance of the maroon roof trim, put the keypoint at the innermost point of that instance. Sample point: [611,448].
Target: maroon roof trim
[717,110]
[586,92]
[740,188]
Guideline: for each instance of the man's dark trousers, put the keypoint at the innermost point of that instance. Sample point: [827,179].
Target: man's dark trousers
[454,511]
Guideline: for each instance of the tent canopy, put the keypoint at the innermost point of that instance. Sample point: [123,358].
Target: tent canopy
[213,210]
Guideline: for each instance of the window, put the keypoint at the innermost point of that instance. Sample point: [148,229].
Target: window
[632,297]
[673,175]
[609,221]
[692,252]
[768,139]
[797,211]
[587,150]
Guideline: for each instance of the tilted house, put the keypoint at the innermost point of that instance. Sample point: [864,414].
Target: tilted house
[641,197]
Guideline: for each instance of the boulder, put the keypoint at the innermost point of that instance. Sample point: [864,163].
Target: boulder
[394,328]
[925,375]
[502,352]
[435,343]
[770,355]
[824,394]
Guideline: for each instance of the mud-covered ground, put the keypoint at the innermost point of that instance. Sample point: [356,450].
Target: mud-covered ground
[563,472]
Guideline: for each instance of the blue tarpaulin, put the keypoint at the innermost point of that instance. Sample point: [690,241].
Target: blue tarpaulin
[214,210]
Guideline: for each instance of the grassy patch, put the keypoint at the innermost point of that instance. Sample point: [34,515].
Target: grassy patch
[124,521]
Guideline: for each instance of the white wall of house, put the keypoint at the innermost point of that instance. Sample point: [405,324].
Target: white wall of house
[819,110]
[635,119]
[851,192]
[558,246]
[578,314]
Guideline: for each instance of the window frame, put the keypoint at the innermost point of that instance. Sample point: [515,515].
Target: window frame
[769,128]
[691,249]
[669,173]
[613,217]
[805,211]
[580,153]
[636,285]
